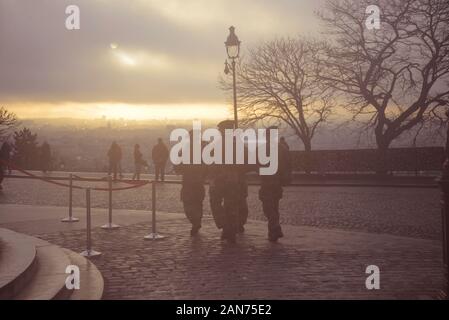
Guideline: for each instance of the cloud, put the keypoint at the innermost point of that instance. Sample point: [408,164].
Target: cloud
[168,51]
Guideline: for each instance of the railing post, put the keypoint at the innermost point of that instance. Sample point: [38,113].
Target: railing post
[153,235]
[70,218]
[89,252]
[110,225]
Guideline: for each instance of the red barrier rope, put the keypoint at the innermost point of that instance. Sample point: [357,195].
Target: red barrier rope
[137,184]
[99,179]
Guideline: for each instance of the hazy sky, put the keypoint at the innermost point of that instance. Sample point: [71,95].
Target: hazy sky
[166,62]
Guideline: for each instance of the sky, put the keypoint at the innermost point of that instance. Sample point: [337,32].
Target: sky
[132,58]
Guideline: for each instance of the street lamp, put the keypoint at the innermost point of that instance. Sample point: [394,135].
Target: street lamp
[233,50]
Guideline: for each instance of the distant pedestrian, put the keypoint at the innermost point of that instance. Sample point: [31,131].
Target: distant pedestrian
[284,143]
[119,162]
[271,190]
[114,155]
[5,152]
[45,157]
[138,162]
[159,155]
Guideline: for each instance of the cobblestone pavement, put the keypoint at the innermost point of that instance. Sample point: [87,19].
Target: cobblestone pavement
[398,211]
[307,263]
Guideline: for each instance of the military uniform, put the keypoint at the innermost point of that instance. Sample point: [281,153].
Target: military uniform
[193,193]
[243,205]
[225,194]
[192,190]
[271,192]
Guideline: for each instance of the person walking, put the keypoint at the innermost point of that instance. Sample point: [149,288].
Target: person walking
[45,157]
[284,143]
[159,155]
[193,191]
[114,155]
[225,193]
[138,162]
[5,152]
[243,204]
[119,161]
[271,190]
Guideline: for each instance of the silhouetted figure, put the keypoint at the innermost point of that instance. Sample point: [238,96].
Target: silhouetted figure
[284,143]
[225,193]
[119,163]
[45,157]
[192,191]
[5,153]
[138,162]
[160,157]
[61,165]
[243,204]
[114,155]
[270,192]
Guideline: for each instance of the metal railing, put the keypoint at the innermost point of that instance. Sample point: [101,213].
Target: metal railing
[89,252]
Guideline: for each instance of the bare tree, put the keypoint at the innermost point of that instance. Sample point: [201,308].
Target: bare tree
[8,121]
[276,83]
[394,78]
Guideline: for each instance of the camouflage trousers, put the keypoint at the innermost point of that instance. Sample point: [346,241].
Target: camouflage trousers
[271,211]
[224,205]
[194,211]
[270,195]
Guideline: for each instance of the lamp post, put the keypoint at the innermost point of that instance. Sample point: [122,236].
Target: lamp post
[233,50]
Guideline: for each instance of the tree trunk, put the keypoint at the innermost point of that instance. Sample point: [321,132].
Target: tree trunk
[382,156]
[307,156]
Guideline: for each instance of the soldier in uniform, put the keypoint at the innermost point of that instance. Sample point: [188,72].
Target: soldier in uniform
[192,191]
[270,192]
[243,205]
[224,192]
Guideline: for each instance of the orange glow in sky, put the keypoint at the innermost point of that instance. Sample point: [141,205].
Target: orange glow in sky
[121,110]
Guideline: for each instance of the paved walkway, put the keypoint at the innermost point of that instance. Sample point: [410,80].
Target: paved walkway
[398,211]
[308,262]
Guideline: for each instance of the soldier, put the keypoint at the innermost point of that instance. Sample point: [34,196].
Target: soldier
[243,205]
[192,191]
[270,192]
[225,193]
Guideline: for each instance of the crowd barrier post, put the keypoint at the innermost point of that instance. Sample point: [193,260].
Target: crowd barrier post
[89,252]
[110,225]
[70,218]
[153,235]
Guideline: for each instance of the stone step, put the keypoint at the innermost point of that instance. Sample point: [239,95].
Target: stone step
[91,280]
[34,269]
[49,280]
[18,262]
